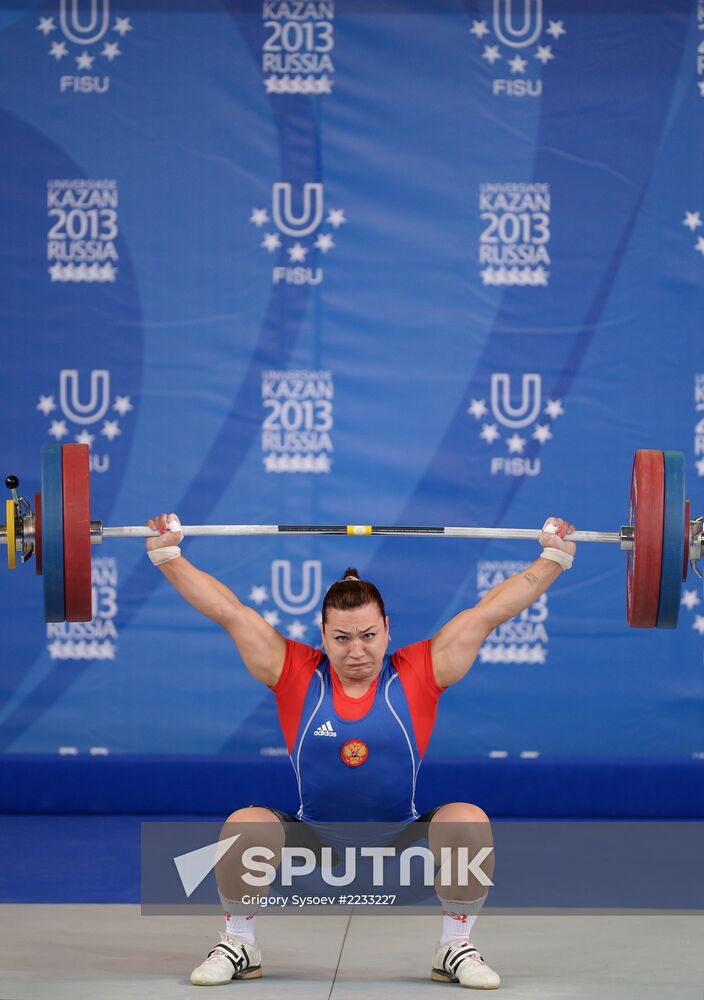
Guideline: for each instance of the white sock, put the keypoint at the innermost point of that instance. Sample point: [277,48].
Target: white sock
[458,918]
[241,926]
[456,927]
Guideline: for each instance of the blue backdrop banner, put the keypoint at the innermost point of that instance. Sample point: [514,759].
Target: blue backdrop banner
[352,262]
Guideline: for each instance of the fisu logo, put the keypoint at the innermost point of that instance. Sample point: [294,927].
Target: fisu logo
[527,32]
[81,405]
[310,591]
[503,409]
[69,398]
[81,27]
[282,209]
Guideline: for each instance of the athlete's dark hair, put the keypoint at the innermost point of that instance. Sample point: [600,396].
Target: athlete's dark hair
[346,594]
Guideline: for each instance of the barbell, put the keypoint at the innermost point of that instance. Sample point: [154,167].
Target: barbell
[660,539]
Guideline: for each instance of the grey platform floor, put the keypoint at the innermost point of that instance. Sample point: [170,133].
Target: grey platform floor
[91,952]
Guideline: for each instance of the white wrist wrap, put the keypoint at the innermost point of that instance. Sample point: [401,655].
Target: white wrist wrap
[563,559]
[164,555]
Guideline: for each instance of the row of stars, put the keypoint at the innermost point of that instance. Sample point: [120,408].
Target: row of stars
[82,649]
[83,272]
[555,28]
[122,405]
[111,50]
[297,463]
[478,408]
[121,26]
[512,654]
[518,64]
[297,253]
[690,599]
[516,443]
[515,276]
[298,84]
[110,429]
[335,217]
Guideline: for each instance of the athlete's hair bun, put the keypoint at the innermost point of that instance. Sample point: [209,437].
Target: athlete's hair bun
[351,571]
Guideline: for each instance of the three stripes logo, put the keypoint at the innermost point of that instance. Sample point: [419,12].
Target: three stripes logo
[325,730]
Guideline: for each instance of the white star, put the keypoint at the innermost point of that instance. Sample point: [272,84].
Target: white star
[259,595]
[700,244]
[491,53]
[544,54]
[554,408]
[516,444]
[322,463]
[271,84]
[700,84]
[271,242]
[259,216]
[336,217]
[58,50]
[477,408]
[700,467]
[111,429]
[46,404]
[542,433]
[56,271]
[271,463]
[46,25]
[324,84]
[540,276]
[479,29]
[111,51]
[488,276]
[122,404]
[296,630]
[692,220]
[318,620]
[84,438]
[84,61]
[324,242]
[556,29]
[699,624]
[517,64]
[272,617]
[690,599]
[108,271]
[58,429]
[489,433]
[122,26]
[297,253]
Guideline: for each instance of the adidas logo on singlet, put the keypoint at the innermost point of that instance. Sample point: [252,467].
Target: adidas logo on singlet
[325,730]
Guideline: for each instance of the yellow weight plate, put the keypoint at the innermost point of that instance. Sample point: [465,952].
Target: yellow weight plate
[10,534]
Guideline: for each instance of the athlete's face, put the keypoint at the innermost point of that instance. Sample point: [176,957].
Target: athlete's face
[355,641]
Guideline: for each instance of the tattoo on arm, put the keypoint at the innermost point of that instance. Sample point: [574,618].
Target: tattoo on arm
[530,577]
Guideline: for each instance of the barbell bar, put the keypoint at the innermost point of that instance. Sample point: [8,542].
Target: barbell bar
[660,539]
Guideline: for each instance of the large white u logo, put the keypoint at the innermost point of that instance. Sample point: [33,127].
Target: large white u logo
[506,31]
[529,407]
[97,405]
[311,586]
[282,209]
[85,30]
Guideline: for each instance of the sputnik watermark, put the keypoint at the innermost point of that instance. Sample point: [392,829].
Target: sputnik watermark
[456,866]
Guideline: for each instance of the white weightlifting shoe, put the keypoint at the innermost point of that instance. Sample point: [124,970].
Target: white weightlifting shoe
[230,959]
[460,962]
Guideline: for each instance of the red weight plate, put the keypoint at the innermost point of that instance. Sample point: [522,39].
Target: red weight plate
[38,534]
[685,560]
[645,560]
[76,492]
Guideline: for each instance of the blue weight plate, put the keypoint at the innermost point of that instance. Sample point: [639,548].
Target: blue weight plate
[53,534]
[672,535]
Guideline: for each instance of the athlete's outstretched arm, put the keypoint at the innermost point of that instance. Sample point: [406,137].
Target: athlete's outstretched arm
[456,645]
[261,647]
